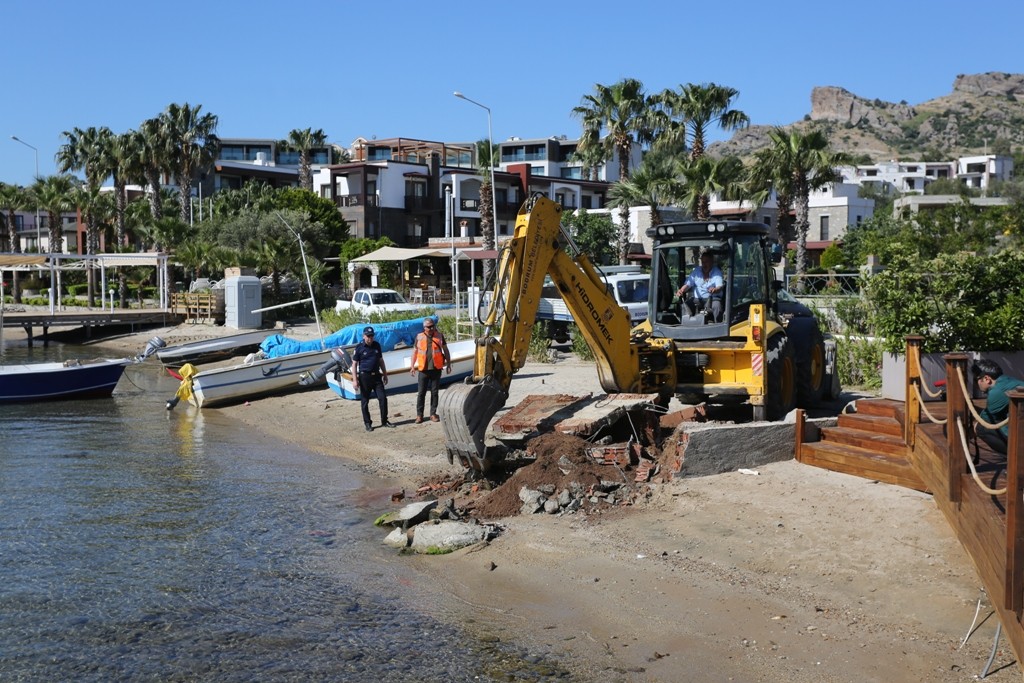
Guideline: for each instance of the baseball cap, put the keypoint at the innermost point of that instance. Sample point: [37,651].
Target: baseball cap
[368,331]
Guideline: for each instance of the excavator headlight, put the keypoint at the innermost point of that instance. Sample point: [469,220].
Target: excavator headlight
[755,333]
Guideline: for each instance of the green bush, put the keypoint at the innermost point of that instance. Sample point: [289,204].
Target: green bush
[859,362]
[579,344]
[538,350]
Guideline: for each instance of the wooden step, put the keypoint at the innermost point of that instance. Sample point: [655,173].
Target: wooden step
[874,424]
[882,407]
[862,462]
[881,443]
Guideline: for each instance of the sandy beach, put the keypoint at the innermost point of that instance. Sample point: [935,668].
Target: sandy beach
[790,574]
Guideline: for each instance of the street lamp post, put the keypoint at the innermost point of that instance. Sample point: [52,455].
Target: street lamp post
[39,240]
[490,143]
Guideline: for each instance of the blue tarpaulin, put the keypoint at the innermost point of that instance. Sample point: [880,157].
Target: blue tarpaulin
[388,335]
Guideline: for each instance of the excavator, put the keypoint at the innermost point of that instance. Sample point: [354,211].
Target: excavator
[751,349]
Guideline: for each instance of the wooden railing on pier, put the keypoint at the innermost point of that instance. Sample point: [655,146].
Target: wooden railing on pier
[980,492]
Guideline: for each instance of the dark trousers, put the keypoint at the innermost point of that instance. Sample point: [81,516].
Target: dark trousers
[993,438]
[427,379]
[697,305]
[370,385]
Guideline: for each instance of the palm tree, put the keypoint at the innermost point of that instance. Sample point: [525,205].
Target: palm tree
[693,108]
[154,154]
[53,194]
[798,164]
[12,199]
[303,141]
[194,145]
[626,115]
[652,184]
[704,177]
[488,212]
[99,206]
[87,150]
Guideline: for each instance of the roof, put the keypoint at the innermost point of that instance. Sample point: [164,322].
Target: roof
[402,254]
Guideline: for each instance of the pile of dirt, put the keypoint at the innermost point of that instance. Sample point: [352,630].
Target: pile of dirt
[561,463]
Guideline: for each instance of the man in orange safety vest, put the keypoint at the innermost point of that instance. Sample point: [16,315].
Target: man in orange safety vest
[429,355]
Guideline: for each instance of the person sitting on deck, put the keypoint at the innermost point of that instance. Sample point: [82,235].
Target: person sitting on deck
[994,384]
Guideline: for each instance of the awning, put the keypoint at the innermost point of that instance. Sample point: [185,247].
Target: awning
[475,254]
[21,260]
[400,254]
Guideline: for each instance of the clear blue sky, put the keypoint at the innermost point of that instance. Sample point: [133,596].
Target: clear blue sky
[386,68]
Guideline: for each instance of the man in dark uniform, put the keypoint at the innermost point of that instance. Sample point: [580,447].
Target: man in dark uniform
[369,376]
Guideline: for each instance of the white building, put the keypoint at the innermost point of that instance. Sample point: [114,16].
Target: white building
[912,177]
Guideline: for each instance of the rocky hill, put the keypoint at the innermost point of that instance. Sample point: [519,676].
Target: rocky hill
[983,112]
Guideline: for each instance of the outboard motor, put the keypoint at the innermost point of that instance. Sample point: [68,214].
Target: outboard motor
[340,361]
[152,346]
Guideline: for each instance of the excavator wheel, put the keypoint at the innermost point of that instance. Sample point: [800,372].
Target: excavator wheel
[811,372]
[781,395]
[465,411]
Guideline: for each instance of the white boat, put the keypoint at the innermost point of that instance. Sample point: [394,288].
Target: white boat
[210,350]
[399,363]
[259,377]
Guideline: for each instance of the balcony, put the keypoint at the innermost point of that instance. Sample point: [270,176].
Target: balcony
[354,200]
[416,203]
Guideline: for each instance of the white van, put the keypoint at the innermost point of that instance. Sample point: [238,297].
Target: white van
[630,289]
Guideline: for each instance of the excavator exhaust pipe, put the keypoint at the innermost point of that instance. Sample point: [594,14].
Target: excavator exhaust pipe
[466,410]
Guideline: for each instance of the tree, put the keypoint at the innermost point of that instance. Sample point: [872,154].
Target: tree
[12,199]
[625,114]
[488,216]
[704,177]
[154,159]
[652,184]
[797,164]
[53,194]
[692,109]
[193,144]
[950,186]
[593,233]
[303,141]
[87,150]
[318,210]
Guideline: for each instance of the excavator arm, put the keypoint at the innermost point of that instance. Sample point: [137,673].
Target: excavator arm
[533,252]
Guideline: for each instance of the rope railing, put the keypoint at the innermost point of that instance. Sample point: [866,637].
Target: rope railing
[970,463]
[970,404]
[917,363]
[924,409]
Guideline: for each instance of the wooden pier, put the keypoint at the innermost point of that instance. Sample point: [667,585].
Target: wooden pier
[44,319]
[926,443]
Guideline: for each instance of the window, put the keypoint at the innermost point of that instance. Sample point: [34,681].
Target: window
[824,227]
[560,198]
[858,220]
[572,172]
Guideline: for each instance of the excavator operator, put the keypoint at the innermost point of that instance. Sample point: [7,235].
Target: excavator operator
[704,285]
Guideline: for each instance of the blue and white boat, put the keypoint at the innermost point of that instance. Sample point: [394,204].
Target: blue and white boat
[399,364]
[73,379]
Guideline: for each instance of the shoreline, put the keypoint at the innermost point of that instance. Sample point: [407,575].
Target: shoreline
[794,574]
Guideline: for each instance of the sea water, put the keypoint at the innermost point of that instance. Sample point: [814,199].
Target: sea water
[138,544]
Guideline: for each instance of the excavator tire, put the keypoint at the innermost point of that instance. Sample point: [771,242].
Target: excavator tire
[811,372]
[465,411]
[781,397]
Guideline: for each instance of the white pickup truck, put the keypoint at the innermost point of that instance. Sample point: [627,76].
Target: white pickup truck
[376,300]
[627,284]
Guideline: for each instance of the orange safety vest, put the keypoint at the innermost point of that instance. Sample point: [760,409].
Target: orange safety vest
[419,359]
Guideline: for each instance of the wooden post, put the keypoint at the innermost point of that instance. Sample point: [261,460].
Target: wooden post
[1014,590]
[956,414]
[799,434]
[912,414]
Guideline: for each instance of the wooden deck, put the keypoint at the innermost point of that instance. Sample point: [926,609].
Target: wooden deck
[131,318]
[919,446]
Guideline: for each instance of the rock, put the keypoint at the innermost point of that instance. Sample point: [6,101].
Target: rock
[551,506]
[564,498]
[398,538]
[410,515]
[444,537]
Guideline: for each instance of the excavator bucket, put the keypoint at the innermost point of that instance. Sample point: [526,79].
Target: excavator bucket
[466,410]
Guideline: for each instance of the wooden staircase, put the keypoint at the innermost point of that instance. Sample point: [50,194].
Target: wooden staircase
[868,443]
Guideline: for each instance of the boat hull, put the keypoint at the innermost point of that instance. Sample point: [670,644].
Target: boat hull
[237,383]
[399,364]
[211,350]
[26,383]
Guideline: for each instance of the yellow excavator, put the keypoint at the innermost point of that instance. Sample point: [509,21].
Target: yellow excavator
[746,347]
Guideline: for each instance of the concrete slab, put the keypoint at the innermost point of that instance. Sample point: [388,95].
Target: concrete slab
[703,449]
[581,416]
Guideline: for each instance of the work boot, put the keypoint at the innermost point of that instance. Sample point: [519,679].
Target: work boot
[369,427]
[387,424]
[419,419]
[435,418]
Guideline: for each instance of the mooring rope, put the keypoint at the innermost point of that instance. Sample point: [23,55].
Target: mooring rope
[970,462]
[920,402]
[970,404]
[917,354]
